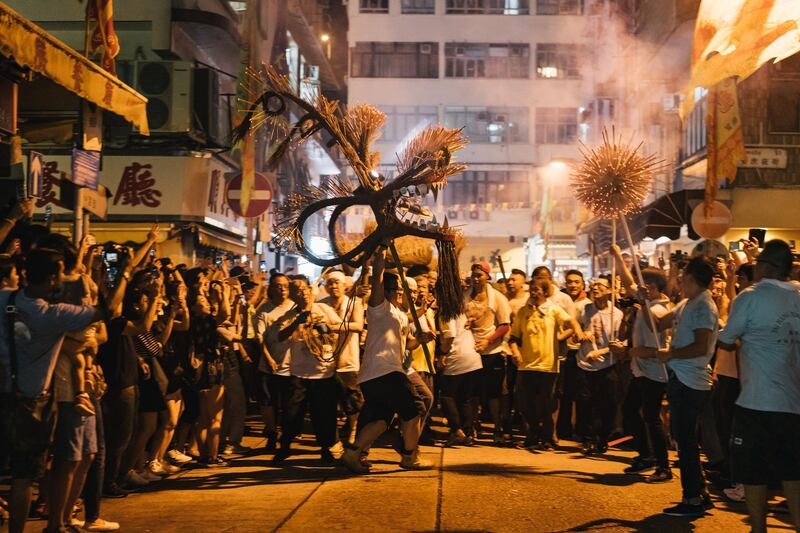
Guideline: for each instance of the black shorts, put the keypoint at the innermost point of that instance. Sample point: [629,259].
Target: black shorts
[351,398]
[461,387]
[764,446]
[386,396]
[422,383]
[493,375]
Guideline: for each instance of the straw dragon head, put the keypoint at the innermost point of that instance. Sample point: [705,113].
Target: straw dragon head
[423,167]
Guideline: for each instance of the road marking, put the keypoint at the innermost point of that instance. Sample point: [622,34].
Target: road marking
[299,505]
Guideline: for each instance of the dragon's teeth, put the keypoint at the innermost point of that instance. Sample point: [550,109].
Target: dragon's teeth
[435,194]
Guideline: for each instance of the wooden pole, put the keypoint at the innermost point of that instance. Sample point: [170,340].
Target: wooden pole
[613,279]
[640,279]
[411,307]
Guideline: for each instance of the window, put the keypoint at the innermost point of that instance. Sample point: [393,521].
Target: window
[488,187]
[483,60]
[783,107]
[489,124]
[395,60]
[559,7]
[403,120]
[557,60]
[418,7]
[488,7]
[374,6]
[556,125]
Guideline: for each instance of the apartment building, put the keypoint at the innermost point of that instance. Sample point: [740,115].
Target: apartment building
[514,74]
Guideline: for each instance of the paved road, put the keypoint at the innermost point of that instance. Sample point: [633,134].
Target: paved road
[472,489]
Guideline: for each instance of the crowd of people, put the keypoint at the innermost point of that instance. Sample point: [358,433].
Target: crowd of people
[119,367]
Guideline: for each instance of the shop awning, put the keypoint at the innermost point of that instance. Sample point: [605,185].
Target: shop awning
[662,218]
[666,216]
[31,46]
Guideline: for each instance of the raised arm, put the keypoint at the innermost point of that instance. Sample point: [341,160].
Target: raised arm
[377,296]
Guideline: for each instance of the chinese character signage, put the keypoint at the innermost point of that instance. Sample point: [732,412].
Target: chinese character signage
[184,188]
[765,158]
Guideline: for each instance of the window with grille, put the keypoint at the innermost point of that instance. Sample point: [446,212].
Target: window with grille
[484,60]
[559,7]
[488,187]
[394,60]
[490,124]
[373,6]
[556,125]
[405,121]
[558,61]
[418,7]
[488,7]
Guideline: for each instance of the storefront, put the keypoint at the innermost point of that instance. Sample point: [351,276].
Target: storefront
[184,194]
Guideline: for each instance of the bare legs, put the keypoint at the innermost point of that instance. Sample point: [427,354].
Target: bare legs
[210,422]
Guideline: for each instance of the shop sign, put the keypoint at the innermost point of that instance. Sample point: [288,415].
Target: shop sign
[154,186]
[765,158]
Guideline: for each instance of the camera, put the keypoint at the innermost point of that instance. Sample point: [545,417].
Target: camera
[112,255]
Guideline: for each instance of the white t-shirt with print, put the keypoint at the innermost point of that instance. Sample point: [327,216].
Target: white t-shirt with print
[385,346]
[766,317]
[690,315]
[268,321]
[649,367]
[486,315]
[305,364]
[462,357]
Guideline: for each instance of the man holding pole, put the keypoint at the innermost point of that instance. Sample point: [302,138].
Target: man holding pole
[387,390]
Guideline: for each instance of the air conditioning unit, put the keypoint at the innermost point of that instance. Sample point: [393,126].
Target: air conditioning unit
[168,88]
[425,48]
[670,103]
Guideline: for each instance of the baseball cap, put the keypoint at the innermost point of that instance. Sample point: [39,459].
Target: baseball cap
[483,265]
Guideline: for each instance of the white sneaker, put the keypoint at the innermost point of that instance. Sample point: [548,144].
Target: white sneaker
[135,480]
[228,449]
[177,457]
[414,462]
[735,493]
[101,525]
[155,467]
[337,450]
[171,469]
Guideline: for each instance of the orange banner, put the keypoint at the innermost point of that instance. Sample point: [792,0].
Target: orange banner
[31,46]
[725,141]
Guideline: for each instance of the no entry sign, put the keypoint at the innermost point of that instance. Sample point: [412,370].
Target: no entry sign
[260,197]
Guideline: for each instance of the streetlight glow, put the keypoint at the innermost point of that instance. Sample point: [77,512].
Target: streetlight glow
[324,37]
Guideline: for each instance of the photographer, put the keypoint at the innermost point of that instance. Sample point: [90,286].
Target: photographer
[311,329]
[32,338]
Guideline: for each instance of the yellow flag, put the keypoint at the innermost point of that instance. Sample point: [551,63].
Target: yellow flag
[725,141]
[733,38]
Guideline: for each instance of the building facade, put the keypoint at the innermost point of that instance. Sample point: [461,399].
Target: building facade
[514,74]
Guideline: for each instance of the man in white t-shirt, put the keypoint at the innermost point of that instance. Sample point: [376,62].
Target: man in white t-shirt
[645,395]
[695,324]
[567,391]
[460,379]
[351,312]
[597,379]
[765,318]
[384,383]
[489,318]
[273,367]
[312,331]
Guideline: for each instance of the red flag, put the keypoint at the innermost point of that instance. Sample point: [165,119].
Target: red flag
[100,35]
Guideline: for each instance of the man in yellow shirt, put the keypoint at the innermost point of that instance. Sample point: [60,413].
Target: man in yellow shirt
[534,343]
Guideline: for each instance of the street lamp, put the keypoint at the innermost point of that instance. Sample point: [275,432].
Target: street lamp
[326,40]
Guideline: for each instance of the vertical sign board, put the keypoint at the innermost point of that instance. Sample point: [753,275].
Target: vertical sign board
[33,182]
[92,126]
[86,168]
